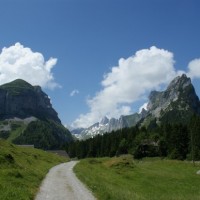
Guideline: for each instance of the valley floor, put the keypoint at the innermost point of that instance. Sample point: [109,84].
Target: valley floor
[148,179]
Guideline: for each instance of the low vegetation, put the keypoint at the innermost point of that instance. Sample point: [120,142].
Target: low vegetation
[22,170]
[147,179]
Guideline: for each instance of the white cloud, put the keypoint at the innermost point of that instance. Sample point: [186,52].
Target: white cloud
[194,68]
[21,62]
[132,79]
[74,92]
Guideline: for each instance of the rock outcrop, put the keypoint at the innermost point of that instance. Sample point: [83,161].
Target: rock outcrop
[21,99]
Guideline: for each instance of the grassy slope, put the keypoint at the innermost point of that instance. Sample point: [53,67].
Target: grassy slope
[17,129]
[124,179]
[22,170]
[16,132]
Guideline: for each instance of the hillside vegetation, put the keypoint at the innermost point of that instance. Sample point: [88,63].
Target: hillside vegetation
[44,135]
[175,141]
[22,170]
[148,179]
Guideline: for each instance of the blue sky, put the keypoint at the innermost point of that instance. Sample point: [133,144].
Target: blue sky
[87,38]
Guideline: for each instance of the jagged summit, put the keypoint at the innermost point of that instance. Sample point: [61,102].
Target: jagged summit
[180,94]
[179,82]
[176,104]
[104,120]
[107,125]
[171,94]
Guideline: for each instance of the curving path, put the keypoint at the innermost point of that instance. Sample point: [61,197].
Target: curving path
[62,184]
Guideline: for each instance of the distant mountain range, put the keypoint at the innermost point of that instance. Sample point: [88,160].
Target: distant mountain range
[27,117]
[107,125]
[176,104]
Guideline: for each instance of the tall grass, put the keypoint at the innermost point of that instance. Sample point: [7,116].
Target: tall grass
[149,179]
[22,170]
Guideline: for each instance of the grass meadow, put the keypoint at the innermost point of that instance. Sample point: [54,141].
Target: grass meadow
[123,178]
[22,170]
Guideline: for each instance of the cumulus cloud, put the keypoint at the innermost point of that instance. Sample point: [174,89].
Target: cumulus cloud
[74,92]
[194,68]
[21,62]
[129,81]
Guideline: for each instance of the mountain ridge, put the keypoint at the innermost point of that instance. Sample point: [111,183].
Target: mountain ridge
[179,101]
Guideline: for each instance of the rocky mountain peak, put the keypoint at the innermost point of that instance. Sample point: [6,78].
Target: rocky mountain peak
[180,94]
[179,82]
[104,121]
[20,99]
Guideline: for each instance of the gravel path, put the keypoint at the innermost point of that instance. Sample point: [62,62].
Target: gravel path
[62,184]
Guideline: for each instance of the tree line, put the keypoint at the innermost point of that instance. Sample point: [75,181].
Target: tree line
[176,141]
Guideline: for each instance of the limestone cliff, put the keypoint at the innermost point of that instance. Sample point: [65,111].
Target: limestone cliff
[21,99]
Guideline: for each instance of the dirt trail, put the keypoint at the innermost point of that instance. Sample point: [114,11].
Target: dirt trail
[62,184]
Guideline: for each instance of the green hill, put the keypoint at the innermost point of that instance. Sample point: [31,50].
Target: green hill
[22,170]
